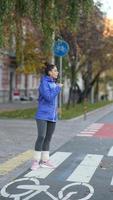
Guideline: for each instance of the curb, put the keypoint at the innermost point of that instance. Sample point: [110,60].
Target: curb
[92,112]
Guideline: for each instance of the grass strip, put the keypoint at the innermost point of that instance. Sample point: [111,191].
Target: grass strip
[71,112]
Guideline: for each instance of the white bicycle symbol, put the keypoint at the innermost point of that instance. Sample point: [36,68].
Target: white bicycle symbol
[33,190]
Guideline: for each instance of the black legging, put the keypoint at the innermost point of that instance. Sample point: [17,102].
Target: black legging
[45,132]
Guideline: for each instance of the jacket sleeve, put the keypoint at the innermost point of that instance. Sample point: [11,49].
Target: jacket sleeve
[48,93]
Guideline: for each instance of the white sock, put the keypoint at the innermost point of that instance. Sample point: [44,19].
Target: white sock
[45,155]
[37,155]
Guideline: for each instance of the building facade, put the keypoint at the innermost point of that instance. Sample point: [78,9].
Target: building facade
[13,85]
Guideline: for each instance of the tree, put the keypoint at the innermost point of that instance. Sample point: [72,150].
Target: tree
[97,50]
[44,14]
[71,35]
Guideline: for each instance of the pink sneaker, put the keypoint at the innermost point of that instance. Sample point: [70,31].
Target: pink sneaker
[35,165]
[47,164]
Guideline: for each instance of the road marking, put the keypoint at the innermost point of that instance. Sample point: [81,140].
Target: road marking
[37,188]
[90,130]
[15,162]
[67,197]
[86,169]
[96,125]
[110,153]
[82,135]
[112,181]
[56,159]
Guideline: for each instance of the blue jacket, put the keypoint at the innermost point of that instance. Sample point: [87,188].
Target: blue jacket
[47,102]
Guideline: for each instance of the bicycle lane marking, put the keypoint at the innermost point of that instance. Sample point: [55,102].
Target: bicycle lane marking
[91,130]
[104,130]
[59,157]
[33,190]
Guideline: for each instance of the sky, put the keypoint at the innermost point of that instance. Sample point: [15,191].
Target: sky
[107,7]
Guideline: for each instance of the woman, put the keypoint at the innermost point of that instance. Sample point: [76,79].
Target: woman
[46,116]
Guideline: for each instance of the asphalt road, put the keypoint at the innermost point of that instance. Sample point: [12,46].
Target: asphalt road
[82,151]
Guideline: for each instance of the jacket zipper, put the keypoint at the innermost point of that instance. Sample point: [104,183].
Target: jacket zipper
[54,110]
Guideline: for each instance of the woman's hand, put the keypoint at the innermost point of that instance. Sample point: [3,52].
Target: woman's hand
[60,85]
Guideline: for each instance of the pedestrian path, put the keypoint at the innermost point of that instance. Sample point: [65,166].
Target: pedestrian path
[57,159]
[82,173]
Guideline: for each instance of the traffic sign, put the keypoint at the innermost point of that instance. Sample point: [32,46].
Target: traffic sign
[60,48]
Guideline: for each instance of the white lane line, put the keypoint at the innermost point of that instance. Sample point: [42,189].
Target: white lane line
[93,129]
[110,153]
[112,181]
[56,159]
[88,132]
[82,135]
[96,125]
[15,162]
[86,169]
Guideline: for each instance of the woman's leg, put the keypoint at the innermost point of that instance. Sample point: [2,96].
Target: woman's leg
[47,140]
[42,128]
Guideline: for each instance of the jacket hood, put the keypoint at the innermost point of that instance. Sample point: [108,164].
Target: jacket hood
[48,78]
